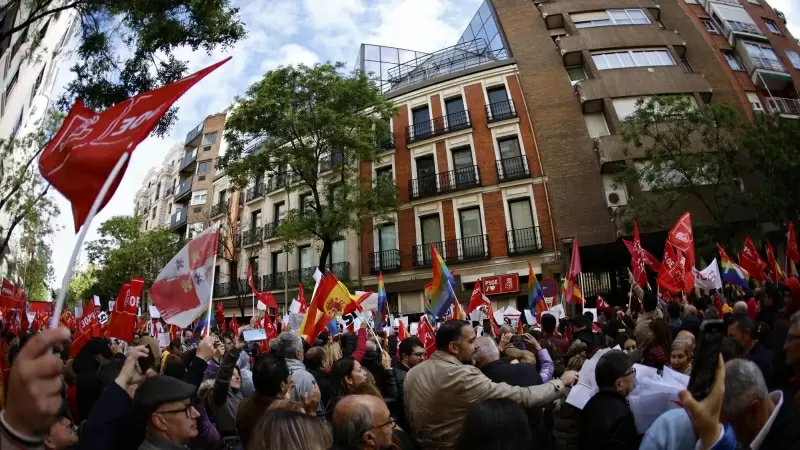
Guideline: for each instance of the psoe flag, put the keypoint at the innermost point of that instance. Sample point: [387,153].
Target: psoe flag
[708,278]
[183,288]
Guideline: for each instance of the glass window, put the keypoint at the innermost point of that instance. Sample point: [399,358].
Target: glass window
[253,261]
[337,252]
[430,229]
[255,219]
[470,222]
[733,62]
[485,12]
[304,254]
[794,58]
[521,214]
[204,167]
[384,174]
[462,158]
[453,105]
[626,60]
[279,212]
[576,73]
[620,17]
[637,16]
[387,239]
[710,26]
[305,203]
[210,138]
[509,148]
[278,263]
[497,94]
[199,197]
[772,26]
[645,58]
[425,166]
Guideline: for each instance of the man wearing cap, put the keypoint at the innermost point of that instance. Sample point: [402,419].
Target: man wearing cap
[171,418]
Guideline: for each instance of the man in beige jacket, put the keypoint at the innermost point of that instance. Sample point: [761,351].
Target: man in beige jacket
[440,391]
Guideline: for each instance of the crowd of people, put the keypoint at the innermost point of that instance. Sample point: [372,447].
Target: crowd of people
[366,390]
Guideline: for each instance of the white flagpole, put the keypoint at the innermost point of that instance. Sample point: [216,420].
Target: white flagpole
[56,319]
[369,325]
[211,296]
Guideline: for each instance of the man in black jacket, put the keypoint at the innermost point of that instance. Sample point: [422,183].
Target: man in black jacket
[412,352]
[606,419]
[317,365]
[743,330]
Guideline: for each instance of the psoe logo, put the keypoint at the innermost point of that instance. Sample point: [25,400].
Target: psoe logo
[683,236]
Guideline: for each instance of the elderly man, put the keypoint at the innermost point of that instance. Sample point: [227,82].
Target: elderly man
[362,422]
[743,331]
[690,320]
[761,420]
[290,346]
[166,403]
[439,392]
[740,307]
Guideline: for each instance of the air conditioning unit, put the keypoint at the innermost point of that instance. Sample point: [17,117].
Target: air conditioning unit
[616,198]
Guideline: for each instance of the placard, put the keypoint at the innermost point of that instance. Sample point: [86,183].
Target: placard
[500,284]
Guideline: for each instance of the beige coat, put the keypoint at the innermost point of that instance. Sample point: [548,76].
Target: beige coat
[642,331]
[439,392]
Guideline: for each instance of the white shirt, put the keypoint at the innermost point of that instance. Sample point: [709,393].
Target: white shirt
[776,397]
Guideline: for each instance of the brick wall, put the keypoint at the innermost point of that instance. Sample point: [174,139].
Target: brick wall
[495,223]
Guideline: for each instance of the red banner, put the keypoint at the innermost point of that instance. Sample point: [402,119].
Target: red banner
[88,327]
[8,296]
[682,237]
[426,334]
[670,278]
[41,307]
[500,284]
[751,261]
[123,319]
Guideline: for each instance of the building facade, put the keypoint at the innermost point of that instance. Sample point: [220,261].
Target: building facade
[153,200]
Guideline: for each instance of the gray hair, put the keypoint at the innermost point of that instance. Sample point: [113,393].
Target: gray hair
[795,319]
[289,343]
[487,351]
[740,306]
[350,430]
[743,384]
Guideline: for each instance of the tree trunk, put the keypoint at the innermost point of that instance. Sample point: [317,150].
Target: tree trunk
[327,246]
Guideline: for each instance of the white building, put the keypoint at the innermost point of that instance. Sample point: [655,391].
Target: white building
[153,200]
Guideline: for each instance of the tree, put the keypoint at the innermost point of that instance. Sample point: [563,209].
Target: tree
[82,286]
[686,152]
[124,252]
[127,47]
[309,127]
[34,269]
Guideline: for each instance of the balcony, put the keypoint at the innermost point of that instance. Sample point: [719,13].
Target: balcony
[225,289]
[297,276]
[748,30]
[169,191]
[188,161]
[178,219]
[384,261]
[276,182]
[513,168]
[255,192]
[523,241]
[330,162]
[218,173]
[428,186]
[386,142]
[219,209]
[453,251]
[437,127]
[271,230]
[767,73]
[274,281]
[498,111]
[341,270]
[783,106]
[194,133]
[183,190]
[252,236]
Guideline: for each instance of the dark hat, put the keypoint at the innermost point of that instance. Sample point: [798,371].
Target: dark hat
[614,327]
[160,389]
[611,367]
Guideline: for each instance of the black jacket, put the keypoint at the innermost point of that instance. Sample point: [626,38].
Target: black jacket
[325,387]
[522,375]
[763,359]
[399,411]
[785,431]
[607,422]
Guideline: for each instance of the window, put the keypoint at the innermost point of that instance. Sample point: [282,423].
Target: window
[610,17]
[18,123]
[278,264]
[764,57]
[732,60]
[509,148]
[421,118]
[387,237]
[304,257]
[426,175]
[384,174]
[463,166]
[336,193]
[204,167]
[523,235]
[472,242]
[146,223]
[222,196]
[454,108]
[153,214]
[794,58]
[628,16]
[755,102]
[210,138]
[199,197]
[38,83]
[279,212]
[12,83]
[576,73]
[755,2]
[253,262]
[431,231]
[596,124]
[306,203]
[772,26]
[43,30]
[691,2]
[158,190]
[497,95]
[337,253]
[626,106]
[641,58]
[255,219]
[710,26]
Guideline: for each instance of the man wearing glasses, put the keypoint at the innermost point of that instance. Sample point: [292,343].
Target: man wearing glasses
[171,418]
[607,420]
[362,422]
[411,352]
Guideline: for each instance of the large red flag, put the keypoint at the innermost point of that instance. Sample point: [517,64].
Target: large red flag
[234,326]
[402,331]
[751,261]
[670,278]
[183,288]
[264,298]
[82,155]
[791,243]
[426,334]
[775,272]
[477,299]
[495,327]
[682,237]
[574,270]
[637,259]
[301,298]
[220,316]
[88,327]
[8,296]
[123,318]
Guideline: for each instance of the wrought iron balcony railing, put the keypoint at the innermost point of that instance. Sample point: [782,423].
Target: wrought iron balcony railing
[384,261]
[512,168]
[453,251]
[453,180]
[500,111]
[277,182]
[252,236]
[271,230]
[256,191]
[219,209]
[523,241]
[437,126]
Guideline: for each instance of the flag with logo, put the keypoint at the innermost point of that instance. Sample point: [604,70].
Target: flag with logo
[573,290]
[751,261]
[84,151]
[184,287]
[536,302]
[477,299]
[637,257]
[8,296]
[427,336]
[88,327]
[708,278]
[775,272]
[671,277]
[682,237]
[331,299]
[123,317]
[301,298]
[402,331]
[265,299]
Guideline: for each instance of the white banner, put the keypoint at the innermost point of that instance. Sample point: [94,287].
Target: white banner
[708,278]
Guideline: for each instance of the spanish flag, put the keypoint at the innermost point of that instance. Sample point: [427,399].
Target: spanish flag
[577,292]
[332,299]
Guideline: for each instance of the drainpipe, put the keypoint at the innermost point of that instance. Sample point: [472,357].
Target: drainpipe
[541,167]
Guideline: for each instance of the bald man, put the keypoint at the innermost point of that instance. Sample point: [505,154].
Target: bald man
[362,422]
[740,307]
[687,336]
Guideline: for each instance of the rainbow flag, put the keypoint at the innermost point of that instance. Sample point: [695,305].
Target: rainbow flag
[536,301]
[379,314]
[731,272]
[441,294]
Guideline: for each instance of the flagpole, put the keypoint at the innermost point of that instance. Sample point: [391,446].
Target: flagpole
[211,296]
[56,319]
[369,325]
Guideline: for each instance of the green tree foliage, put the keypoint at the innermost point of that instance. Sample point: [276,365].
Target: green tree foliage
[34,269]
[123,252]
[684,152]
[126,47]
[310,127]
[82,286]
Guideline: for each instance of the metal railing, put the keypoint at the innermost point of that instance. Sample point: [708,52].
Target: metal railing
[500,111]
[219,209]
[297,276]
[789,106]
[271,230]
[437,126]
[767,64]
[178,218]
[384,261]
[274,281]
[276,182]
[341,270]
[386,142]
[452,180]
[252,236]
[256,191]
[184,188]
[327,163]
[740,27]
[513,168]
[453,251]
[523,241]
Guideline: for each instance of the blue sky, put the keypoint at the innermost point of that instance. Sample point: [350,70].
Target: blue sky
[285,32]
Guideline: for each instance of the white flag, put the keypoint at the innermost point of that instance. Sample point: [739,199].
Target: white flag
[708,278]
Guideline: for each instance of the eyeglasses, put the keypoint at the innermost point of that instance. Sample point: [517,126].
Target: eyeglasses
[391,421]
[186,411]
[632,371]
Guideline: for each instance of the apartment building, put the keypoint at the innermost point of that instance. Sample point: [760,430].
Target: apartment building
[153,200]
[467,168]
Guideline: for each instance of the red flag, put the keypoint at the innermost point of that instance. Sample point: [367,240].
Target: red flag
[269,328]
[183,288]
[574,269]
[477,299]
[220,316]
[88,327]
[427,336]
[123,318]
[250,279]
[775,272]
[13,322]
[301,298]
[266,299]
[682,237]
[24,322]
[601,304]
[234,326]
[8,296]
[670,278]
[791,243]
[751,261]
[402,332]
[83,153]
[495,328]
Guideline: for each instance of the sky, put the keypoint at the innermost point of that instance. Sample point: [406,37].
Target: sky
[283,32]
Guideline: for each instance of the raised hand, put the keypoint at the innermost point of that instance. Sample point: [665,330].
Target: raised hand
[131,374]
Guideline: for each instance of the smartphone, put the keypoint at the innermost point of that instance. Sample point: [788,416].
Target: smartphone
[256,334]
[147,362]
[518,341]
[706,356]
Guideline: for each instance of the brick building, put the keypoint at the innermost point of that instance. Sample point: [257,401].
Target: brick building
[528,106]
